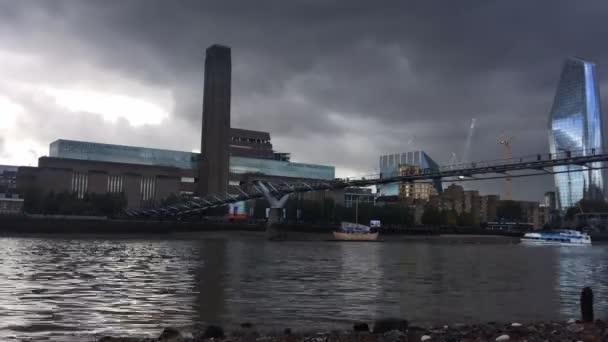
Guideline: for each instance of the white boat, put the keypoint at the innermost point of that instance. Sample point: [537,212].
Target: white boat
[557,238]
[349,231]
[355,232]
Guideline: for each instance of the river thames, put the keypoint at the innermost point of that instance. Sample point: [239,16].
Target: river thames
[78,287]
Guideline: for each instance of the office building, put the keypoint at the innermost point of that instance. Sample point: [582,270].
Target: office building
[472,204]
[575,125]
[550,200]
[239,164]
[253,144]
[10,204]
[531,213]
[142,185]
[84,150]
[546,217]
[350,196]
[452,198]
[230,157]
[390,166]
[488,208]
[482,208]
[550,209]
[153,174]
[213,170]
[421,190]
[8,178]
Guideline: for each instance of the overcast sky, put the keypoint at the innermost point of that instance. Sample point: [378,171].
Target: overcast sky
[334,82]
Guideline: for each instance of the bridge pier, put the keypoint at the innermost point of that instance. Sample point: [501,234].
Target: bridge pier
[275,218]
[275,214]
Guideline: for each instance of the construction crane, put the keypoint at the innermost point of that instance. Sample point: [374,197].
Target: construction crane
[453,159]
[506,142]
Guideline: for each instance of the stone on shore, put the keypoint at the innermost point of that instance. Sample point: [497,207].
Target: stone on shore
[119,339]
[169,335]
[214,331]
[596,331]
[361,327]
[392,336]
[247,333]
[382,326]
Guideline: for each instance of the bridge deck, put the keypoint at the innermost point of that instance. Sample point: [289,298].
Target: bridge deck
[259,189]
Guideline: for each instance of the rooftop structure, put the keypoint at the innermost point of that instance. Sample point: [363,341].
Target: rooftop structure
[81,150]
[84,150]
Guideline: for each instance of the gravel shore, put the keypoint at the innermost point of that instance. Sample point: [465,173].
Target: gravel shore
[396,330]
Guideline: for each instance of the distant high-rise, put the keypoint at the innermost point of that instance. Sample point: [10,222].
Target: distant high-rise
[550,200]
[214,162]
[390,165]
[575,125]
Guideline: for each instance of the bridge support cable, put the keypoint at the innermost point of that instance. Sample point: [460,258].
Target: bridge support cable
[242,192]
[524,175]
[274,202]
[272,187]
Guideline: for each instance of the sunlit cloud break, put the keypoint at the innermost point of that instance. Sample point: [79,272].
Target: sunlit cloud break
[111,107]
[10,112]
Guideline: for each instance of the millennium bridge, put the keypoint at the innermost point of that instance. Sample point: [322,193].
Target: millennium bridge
[277,192]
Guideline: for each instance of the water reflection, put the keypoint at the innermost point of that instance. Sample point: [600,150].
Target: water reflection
[579,267]
[296,282]
[472,283]
[209,281]
[359,283]
[78,287]
[57,287]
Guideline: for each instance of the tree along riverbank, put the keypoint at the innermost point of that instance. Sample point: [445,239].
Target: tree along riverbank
[41,224]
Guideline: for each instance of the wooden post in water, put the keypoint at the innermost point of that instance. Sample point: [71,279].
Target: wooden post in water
[587,305]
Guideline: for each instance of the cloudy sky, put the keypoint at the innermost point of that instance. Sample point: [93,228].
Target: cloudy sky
[335,82]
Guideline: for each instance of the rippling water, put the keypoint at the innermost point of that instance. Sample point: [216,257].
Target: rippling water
[78,287]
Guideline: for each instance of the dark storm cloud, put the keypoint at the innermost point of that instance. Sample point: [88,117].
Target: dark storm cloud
[352,79]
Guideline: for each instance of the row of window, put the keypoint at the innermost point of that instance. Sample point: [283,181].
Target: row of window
[359,198]
[250,140]
[115,184]
[5,205]
[80,185]
[411,158]
[148,188]
[549,239]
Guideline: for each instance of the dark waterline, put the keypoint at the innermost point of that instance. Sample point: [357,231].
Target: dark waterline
[76,287]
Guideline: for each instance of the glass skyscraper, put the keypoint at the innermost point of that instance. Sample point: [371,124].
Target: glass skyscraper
[575,125]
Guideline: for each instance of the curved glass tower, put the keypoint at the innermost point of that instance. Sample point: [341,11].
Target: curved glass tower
[575,125]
